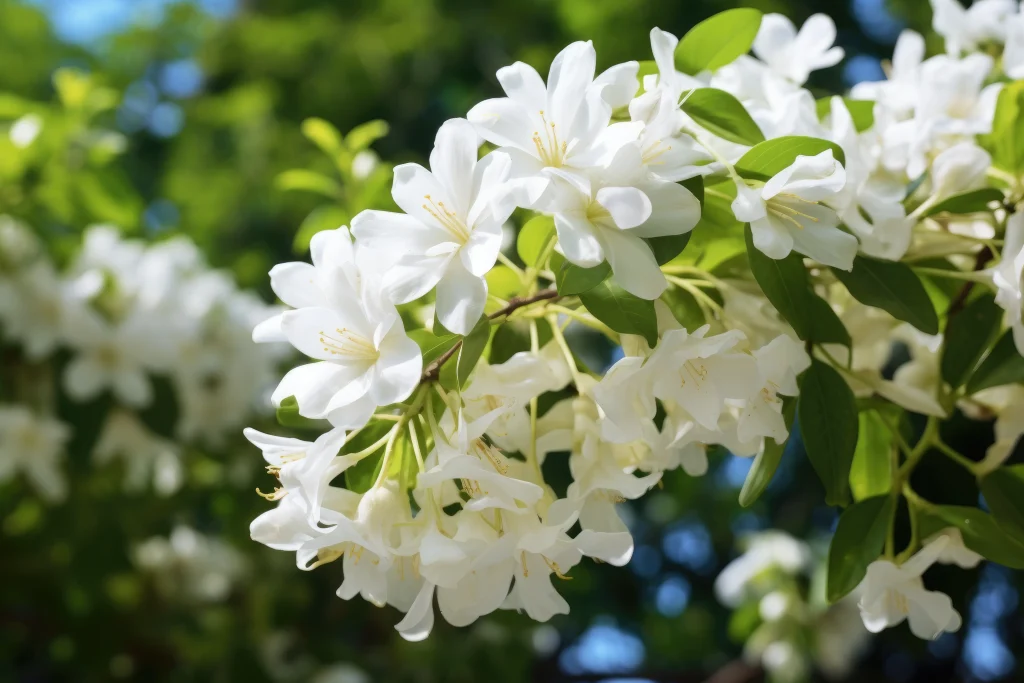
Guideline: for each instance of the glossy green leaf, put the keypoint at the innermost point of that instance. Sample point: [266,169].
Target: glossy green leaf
[767,158]
[621,311]
[534,239]
[767,461]
[826,327]
[1006,141]
[828,423]
[980,531]
[503,282]
[721,114]
[717,41]
[572,279]
[894,288]
[667,248]
[1003,365]
[1004,492]
[432,345]
[784,282]
[968,333]
[967,202]
[360,477]
[858,541]
[871,471]
[473,345]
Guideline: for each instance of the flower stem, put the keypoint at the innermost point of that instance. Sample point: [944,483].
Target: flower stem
[411,412]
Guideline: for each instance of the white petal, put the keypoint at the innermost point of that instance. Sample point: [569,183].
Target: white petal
[578,240]
[633,264]
[628,206]
[461,297]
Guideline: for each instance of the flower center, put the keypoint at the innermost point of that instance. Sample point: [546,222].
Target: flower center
[447,219]
[781,206]
[696,372]
[652,152]
[550,150]
[344,342]
[897,602]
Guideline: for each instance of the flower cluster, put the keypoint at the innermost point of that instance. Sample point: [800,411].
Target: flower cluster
[125,316]
[753,253]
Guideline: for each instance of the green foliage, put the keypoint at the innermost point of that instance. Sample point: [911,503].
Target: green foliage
[871,470]
[784,282]
[572,279]
[720,113]
[967,202]
[1006,141]
[472,348]
[621,311]
[981,533]
[535,239]
[1003,365]
[858,541]
[769,157]
[829,423]
[717,41]
[894,288]
[861,111]
[968,333]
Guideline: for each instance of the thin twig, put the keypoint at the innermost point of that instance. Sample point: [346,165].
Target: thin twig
[433,370]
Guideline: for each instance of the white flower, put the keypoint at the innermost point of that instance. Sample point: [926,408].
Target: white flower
[450,233]
[304,469]
[146,455]
[765,551]
[1013,52]
[32,305]
[785,214]
[1009,429]
[954,552]
[190,565]
[365,359]
[967,29]
[960,168]
[778,363]
[115,356]
[699,373]
[34,445]
[892,594]
[898,93]
[542,548]
[606,214]
[25,130]
[555,130]
[795,55]
[1008,278]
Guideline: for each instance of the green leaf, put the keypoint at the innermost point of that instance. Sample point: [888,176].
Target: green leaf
[288,416]
[621,311]
[826,327]
[1006,141]
[360,477]
[534,239]
[967,202]
[721,114]
[828,423]
[894,288]
[1003,365]
[767,461]
[308,181]
[717,41]
[473,345]
[767,158]
[572,279]
[784,282]
[858,541]
[1004,492]
[365,134]
[968,334]
[667,248]
[861,111]
[323,135]
[502,282]
[980,531]
[432,345]
[871,471]
[684,307]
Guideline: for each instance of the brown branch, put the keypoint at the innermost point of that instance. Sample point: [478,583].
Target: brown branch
[736,671]
[433,370]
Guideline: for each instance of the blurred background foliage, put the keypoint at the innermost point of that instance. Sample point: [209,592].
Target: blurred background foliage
[166,117]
